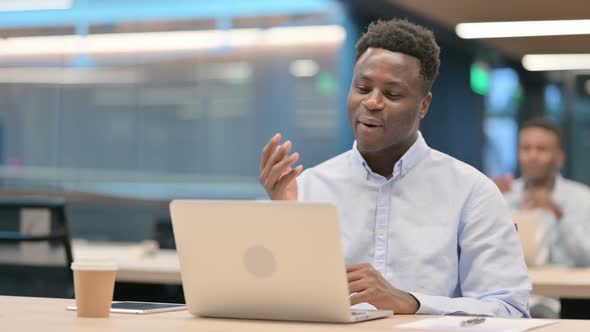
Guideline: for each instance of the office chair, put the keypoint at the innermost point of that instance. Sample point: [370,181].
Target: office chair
[43,280]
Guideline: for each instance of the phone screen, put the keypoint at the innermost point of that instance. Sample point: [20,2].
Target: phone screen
[131,307]
[144,305]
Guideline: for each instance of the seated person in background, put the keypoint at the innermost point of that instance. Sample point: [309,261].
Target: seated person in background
[563,206]
[422,232]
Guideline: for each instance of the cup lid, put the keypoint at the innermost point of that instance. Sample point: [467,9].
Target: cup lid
[94,265]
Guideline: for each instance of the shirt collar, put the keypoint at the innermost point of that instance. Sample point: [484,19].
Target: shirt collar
[558,187]
[415,154]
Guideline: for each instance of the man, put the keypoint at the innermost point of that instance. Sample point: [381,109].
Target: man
[561,206]
[422,232]
[564,204]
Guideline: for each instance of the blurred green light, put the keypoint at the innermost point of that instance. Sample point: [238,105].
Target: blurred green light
[518,93]
[479,79]
[326,83]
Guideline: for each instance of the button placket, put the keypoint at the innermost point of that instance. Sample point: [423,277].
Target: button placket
[381,227]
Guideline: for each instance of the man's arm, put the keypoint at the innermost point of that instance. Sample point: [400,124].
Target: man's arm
[367,285]
[574,232]
[493,277]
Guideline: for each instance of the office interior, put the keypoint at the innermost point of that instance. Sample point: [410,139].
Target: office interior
[110,109]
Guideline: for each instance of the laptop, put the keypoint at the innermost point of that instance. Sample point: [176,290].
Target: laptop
[530,236]
[263,260]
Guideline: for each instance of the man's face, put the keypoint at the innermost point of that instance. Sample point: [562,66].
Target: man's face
[539,153]
[386,100]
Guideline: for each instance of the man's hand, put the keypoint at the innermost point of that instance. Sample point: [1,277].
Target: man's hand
[276,174]
[368,285]
[504,183]
[540,198]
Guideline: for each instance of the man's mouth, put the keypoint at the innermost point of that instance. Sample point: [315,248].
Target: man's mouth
[369,123]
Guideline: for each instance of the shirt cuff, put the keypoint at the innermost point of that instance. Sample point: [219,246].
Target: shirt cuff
[440,305]
[432,305]
[426,304]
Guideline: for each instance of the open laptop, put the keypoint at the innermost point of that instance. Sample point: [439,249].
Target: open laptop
[530,235]
[263,260]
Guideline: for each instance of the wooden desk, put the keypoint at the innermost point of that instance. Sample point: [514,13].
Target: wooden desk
[144,263]
[140,263]
[162,266]
[43,314]
[561,282]
[137,262]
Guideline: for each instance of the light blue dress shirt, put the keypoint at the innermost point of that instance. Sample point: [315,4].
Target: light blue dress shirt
[438,229]
[567,241]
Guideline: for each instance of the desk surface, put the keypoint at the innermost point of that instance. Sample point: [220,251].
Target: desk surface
[136,264]
[144,263]
[42,314]
[561,282]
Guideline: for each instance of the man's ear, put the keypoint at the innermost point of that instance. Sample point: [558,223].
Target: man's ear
[425,105]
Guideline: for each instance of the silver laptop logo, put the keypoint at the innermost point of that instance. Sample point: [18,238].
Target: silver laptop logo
[260,261]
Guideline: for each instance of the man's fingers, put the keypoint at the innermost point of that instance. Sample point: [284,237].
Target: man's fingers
[355,275]
[359,298]
[353,267]
[269,149]
[287,178]
[357,286]
[278,170]
[278,154]
[504,182]
[356,267]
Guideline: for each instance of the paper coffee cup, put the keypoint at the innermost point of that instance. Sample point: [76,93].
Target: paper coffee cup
[94,284]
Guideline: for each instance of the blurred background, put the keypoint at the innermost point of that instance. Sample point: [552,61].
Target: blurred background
[118,106]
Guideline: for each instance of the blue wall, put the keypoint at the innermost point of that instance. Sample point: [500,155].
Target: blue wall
[454,124]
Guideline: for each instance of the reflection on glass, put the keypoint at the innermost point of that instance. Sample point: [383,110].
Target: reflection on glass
[168,124]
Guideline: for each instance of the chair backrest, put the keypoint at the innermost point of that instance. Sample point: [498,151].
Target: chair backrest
[28,278]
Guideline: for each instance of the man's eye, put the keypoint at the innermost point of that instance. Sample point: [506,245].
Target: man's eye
[362,89]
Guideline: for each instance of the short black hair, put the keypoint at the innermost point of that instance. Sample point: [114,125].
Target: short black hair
[401,36]
[544,123]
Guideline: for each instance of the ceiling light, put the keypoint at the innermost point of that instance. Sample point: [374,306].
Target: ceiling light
[522,29]
[24,5]
[304,35]
[547,62]
[172,41]
[64,76]
[304,68]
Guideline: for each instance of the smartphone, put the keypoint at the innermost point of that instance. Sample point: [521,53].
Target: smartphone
[141,308]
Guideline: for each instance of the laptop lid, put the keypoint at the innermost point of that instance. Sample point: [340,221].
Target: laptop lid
[261,260]
[529,230]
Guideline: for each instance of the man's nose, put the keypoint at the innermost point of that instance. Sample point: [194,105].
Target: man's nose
[374,101]
[532,156]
